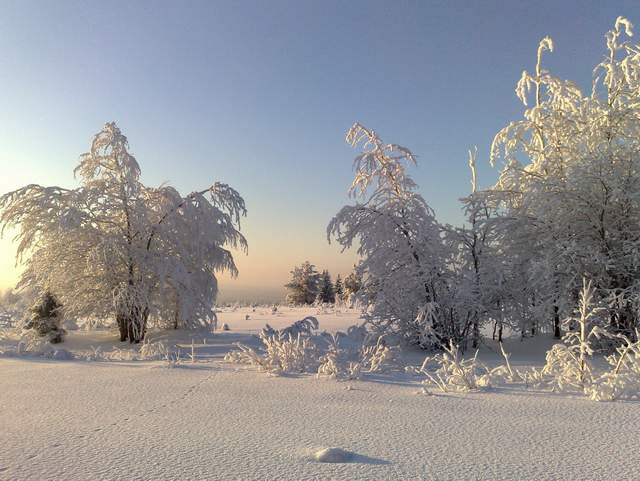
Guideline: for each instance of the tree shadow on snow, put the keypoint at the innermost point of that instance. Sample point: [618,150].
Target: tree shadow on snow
[395,378]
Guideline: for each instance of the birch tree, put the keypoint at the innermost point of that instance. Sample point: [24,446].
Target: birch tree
[114,249]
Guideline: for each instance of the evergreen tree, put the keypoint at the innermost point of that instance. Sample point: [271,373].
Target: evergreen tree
[326,291]
[338,288]
[303,287]
[45,318]
[352,284]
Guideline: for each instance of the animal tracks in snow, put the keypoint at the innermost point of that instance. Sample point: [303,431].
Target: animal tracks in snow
[181,397]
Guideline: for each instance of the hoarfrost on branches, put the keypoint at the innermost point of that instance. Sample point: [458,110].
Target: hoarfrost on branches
[115,249]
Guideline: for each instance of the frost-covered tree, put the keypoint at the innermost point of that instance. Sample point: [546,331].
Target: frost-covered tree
[12,301]
[398,238]
[352,284]
[473,269]
[338,288]
[569,186]
[303,286]
[115,249]
[326,292]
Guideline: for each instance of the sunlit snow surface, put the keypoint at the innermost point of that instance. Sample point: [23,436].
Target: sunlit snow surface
[81,420]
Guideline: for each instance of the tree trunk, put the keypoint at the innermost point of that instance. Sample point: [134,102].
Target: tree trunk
[122,327]
[556,322]
[476,333]
[133,326]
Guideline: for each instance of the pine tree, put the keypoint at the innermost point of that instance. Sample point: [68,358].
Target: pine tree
[46,319]
[303,287]
[338,288]
[352,284]
[326,291]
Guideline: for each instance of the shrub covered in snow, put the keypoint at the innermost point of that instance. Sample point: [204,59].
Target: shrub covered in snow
[283,353]
[623,379]
[299,349]
[306,327]
[153,350]
[348,356]
[569,366]
[450,372]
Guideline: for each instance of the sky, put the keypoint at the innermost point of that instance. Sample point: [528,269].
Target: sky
[259,95]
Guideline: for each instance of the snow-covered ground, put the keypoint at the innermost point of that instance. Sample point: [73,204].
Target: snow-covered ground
[212,420]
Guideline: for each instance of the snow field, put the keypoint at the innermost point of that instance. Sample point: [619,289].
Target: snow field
[79,420]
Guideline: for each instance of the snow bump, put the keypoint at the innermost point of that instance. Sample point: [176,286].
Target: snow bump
[332,455]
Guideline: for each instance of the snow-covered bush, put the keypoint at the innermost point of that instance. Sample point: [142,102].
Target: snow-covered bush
[622,381]
[299,349]
[377,357]
[569,366]
[153,350]
[33,344]
[305,326]
[342,361]
[148,351]
[338,362]
[563,370]
[283,353]
[173,359]
[450,372]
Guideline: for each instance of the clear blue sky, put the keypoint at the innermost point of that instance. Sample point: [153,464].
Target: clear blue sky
[260,94]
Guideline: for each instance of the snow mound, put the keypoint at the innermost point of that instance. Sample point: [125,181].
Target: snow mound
[332,455]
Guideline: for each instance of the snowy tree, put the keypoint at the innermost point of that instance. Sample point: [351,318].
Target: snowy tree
[569,185]
[114,248]
[472,293]
[352,284]
[338,288]
[12,301]
[46,319]
[326,292]
[398,238]
[303,287]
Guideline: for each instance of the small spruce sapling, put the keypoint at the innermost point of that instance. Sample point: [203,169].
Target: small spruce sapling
[45,319]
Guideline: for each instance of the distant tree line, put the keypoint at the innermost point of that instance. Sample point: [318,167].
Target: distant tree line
[309,286]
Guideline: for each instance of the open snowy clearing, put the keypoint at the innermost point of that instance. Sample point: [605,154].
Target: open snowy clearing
[213,420]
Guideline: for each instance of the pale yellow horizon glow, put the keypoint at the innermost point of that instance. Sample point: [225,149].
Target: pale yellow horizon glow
[278,239]
[262,273]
